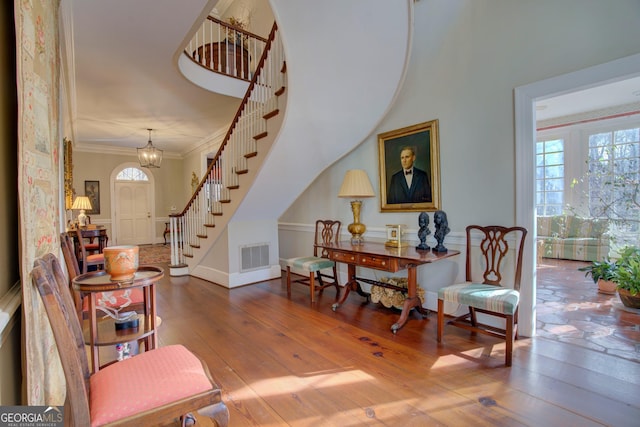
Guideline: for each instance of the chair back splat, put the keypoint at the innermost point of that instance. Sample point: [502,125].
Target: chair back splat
[163,385]
[73,269]
[495,294]
[86,258]
[317,267]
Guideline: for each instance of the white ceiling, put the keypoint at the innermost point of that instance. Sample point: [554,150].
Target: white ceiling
[597,98]
[122,67]
[123,77]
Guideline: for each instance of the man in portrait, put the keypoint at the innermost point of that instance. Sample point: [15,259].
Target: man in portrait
[410,184]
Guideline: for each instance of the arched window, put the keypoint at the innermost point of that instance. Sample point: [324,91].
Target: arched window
[132,174]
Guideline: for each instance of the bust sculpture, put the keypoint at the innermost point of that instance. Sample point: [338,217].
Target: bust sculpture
[423,232]
[442,229]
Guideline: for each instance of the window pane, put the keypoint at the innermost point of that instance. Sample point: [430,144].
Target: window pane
[554,210]
[555,145]
[554,159]
[554,172]
[550,176]
[554,185]
[554,198]
[614,160]
[132,174]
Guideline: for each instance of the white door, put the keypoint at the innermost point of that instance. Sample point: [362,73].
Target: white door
[133,213]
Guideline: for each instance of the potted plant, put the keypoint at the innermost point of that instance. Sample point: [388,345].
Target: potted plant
[627,276]
[602,273]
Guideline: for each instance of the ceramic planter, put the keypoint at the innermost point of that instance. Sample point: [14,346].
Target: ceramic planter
[121,262]
[628,300]
[607,287]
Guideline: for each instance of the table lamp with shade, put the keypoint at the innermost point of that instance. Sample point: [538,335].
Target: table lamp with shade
[356,185]
[82,203]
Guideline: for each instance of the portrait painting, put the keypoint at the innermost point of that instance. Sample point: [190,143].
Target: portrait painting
[92,191]
[410,168]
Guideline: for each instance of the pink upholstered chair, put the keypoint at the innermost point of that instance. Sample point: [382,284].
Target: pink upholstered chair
[156,387]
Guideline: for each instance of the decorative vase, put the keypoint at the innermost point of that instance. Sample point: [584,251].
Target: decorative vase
[628,300]
[607,287]
[121,262]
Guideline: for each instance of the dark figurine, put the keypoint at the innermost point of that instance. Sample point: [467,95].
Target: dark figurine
[442,229]
[423,232]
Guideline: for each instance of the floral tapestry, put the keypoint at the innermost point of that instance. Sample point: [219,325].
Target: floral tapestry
[38,70]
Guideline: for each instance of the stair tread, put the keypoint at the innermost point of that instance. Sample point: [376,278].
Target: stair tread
[260,136]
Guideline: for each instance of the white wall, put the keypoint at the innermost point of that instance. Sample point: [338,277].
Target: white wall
[468,56]
[170,187]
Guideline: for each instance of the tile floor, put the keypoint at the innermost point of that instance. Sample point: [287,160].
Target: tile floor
[571,310]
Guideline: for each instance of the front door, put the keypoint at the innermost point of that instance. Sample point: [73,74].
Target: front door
[133,213]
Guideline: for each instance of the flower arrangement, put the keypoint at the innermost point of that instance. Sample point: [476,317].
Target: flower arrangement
[235,36]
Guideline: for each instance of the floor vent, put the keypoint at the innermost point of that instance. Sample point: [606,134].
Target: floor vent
[253,257]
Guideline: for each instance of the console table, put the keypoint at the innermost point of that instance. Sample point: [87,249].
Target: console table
[378,256]
[102,332]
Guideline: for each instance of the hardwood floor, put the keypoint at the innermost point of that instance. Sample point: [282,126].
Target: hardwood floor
[284,361]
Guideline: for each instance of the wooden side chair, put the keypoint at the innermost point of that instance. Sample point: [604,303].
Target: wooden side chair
[85,258]
[327,231]
[116,299]
[493,295]
[157,387]
[92,246]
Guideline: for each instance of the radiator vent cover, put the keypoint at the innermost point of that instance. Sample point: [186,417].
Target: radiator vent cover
[254,257]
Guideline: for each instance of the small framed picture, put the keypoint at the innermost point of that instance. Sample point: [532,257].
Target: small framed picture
[92,191]
[395,236]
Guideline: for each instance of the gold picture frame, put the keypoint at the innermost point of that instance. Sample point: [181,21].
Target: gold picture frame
[68,173]
[421,143]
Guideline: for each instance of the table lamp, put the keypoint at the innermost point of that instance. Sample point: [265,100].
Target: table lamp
[82,203]
[356,185]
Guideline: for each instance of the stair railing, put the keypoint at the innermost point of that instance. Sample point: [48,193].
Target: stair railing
[226,49]
[260,102]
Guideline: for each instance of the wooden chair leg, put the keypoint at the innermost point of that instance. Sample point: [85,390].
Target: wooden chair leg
[288,282]
[218,413]
[320,281]
[312,286]
[509,341]
[472,316]
[440,319]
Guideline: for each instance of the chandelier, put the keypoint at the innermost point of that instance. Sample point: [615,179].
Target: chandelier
[149,156]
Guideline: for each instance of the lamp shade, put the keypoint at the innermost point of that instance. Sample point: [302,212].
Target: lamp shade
[82,202]
[356,184]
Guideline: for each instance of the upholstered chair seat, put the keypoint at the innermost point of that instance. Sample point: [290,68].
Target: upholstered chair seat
[487,297]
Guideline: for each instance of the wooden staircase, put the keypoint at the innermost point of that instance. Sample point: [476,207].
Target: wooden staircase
[231,172]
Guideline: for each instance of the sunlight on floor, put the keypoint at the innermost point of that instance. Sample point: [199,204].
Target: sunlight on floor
[294,384]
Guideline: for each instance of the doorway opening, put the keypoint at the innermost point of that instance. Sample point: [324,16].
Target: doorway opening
[133,206]
[525,133]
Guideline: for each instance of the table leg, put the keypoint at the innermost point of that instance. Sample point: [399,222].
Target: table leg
[352,285]
[93,332]
[412,300]
[154,326]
